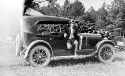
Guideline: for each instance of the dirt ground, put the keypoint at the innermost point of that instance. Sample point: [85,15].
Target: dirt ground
[10,65]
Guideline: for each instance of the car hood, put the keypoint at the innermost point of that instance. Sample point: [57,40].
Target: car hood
[46,20]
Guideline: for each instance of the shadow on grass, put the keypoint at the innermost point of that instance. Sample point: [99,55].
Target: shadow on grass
[118,59]
[65,62]
[69,62]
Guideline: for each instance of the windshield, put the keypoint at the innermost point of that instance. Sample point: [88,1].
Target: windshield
[33,7]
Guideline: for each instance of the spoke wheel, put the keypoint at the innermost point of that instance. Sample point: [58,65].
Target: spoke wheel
[106,53]
[39,56]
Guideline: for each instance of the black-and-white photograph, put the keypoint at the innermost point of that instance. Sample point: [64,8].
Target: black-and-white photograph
[62,37]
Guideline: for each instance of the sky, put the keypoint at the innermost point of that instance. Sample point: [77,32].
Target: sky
[11,10]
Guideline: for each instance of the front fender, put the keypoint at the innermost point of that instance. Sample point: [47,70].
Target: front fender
[33,43]
[99,44]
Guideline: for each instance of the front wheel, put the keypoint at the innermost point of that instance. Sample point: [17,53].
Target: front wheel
[106,53]
[39,56]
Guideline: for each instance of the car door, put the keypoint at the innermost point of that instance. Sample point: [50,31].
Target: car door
[92,40]
[89,42]
[57,39]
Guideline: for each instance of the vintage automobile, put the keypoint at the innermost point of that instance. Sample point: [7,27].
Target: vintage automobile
[44,37]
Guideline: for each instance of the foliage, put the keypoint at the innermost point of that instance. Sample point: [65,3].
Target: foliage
[102,15]
[116,13]
[53,11]
[69,10]
[89,16]
[105,16]
[77,9]
[65,8]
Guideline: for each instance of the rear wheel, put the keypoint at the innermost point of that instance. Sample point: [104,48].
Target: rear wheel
[39,56]
[106,53]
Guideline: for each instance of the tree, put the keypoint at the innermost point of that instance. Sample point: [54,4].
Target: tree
[65,9]
[66,5]
[116,14]
[53,9]
[102,16]
[77,9]
[90,16]
[93,13]
[86,17]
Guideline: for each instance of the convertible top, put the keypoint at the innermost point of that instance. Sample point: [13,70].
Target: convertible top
[46,20]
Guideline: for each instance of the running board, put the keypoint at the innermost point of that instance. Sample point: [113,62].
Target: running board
[69,57]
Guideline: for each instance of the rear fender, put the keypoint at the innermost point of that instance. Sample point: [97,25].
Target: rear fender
[38,42]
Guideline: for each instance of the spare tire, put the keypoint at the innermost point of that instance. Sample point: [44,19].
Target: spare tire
[19,45]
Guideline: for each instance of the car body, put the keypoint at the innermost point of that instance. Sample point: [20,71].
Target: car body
[43,37]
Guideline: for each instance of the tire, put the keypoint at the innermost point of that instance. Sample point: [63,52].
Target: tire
[106,53]
[39,56]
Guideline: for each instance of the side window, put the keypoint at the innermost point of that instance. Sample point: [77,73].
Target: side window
[55,29]
[47,29]
[64,28]
[43,29]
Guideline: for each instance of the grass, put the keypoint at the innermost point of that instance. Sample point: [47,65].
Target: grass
[10,65]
